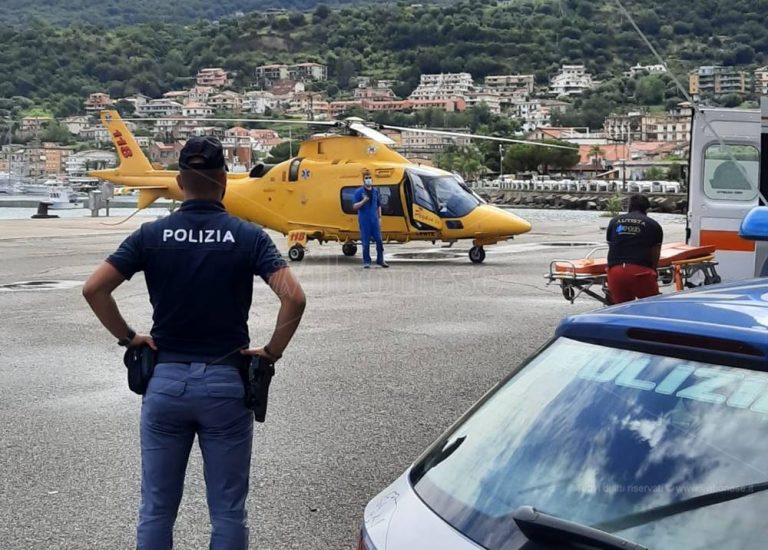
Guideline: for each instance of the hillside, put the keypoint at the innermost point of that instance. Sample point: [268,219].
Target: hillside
[57,67]
[113,13]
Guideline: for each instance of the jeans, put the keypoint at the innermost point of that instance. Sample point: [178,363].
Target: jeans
[184,399]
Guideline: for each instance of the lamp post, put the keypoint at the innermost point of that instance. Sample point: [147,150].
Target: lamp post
[501,165]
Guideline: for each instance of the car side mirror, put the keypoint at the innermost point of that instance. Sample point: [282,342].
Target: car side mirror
[754,226]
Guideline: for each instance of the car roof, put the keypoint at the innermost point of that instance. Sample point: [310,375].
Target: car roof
[725,324]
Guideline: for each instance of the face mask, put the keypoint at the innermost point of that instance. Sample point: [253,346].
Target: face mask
[368,182]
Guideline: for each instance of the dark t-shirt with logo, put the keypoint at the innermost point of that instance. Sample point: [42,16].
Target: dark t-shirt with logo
[199,265]
[630,237]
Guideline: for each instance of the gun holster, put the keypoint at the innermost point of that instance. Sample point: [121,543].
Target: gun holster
[257,373]
[140,362]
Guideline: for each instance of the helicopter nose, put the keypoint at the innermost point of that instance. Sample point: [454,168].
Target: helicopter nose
[491,220]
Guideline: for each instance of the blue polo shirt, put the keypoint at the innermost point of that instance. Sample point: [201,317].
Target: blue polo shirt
[199,265]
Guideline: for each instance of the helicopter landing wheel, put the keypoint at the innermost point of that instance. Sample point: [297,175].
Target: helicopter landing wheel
[349,249]
[477,254]
[296,253]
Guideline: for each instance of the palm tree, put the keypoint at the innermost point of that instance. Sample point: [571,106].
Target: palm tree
[596,153]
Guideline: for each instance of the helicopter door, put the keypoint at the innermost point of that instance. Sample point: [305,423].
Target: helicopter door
[421,205]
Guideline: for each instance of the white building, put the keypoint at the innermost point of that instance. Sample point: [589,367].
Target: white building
[159,108]
[78,164]
[200,94]
[570,81]
[650,69]
[193,109]
[258,102]
[443,86]
[75,124]
[414,141]
[761,81]
[301,71]
[482,96]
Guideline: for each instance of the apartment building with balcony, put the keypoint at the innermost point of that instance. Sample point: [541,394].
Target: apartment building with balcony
[98,102]
[215,77]
[714,80]
[302,72]
[571,80]
[226,101]
[159,108]
[258,102]
[511,83]
[442,86]
[761,81]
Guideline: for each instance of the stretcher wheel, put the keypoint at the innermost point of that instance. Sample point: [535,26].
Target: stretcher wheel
[477,254]
[712,280]
[569,293]
[296,253]
[349,249]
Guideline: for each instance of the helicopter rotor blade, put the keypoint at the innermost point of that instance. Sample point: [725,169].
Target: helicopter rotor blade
[259,120]
[368,132]
[478,136]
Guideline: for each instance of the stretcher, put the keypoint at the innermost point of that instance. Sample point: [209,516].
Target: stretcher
[678,264]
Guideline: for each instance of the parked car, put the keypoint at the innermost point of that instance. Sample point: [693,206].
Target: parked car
[640,425]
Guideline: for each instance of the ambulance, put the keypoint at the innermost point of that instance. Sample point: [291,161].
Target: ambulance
[728,177]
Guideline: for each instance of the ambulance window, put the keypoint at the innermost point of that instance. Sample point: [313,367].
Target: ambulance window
[731,173]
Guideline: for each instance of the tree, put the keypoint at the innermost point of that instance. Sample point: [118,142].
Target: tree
[596,153]
[654,173]
[467,161]
[280,152]
[650,90]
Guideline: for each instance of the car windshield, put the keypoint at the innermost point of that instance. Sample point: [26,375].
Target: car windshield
[593,434]
[452,199]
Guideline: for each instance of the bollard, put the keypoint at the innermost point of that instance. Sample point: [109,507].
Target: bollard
[94,203]
[42,211]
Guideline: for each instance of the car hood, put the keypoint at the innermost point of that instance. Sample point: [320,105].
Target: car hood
[397,519]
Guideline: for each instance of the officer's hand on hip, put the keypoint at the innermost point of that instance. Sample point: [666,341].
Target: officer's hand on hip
[261,352]
[141,339]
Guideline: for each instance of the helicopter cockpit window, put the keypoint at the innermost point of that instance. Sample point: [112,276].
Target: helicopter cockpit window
[449,197]
[293,171]
[422,197]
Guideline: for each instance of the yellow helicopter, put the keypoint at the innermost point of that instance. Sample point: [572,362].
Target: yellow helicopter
[309,197]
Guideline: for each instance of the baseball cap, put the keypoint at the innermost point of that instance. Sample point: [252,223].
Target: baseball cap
[202,153]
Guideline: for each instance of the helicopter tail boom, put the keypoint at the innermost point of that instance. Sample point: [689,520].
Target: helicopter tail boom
[134,169]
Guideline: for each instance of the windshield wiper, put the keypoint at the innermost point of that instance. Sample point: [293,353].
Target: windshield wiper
[540,527]
[687,505]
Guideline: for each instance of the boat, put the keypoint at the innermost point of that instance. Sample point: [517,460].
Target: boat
[9,183]
[59,199]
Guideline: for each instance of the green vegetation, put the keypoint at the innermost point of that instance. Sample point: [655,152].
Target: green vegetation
[524,157]
[113,13]
[57,66]
[467,161]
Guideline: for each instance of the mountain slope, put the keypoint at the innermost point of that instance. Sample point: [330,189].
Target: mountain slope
[57,67]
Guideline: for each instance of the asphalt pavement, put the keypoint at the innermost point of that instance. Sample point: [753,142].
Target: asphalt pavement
[383,363]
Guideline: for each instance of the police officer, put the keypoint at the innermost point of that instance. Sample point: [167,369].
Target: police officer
[634,247]
[368,207]
[199,265]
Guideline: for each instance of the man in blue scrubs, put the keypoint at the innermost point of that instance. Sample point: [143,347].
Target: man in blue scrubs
[368,207]
[199,265]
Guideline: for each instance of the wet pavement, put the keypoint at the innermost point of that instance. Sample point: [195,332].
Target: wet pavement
[384,361]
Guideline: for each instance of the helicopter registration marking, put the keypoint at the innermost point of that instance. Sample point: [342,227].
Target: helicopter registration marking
[297,237]
[121,144]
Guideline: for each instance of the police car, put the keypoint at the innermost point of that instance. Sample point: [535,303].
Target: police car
[644,425]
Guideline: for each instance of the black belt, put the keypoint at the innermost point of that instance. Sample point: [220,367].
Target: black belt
[234,359]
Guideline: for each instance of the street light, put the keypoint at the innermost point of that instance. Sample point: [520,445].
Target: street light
[501,165]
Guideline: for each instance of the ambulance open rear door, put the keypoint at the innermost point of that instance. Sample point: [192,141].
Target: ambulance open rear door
[724,186]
